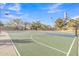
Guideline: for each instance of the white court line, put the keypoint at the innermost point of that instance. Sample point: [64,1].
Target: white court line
[14,46]
[71,46]
[45,45]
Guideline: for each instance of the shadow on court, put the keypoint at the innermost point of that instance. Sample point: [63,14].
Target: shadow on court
[15,41]
[62,35]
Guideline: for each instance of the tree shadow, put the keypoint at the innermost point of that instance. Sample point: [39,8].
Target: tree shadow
[15,41]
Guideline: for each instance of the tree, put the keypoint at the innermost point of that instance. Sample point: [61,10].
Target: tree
[59,24]
[39,26]
[77,20]
[36,25]
[76,26]
[16,23]
[46,27]
[26,25]
[71,23]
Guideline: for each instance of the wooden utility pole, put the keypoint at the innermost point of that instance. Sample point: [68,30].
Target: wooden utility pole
[76,33]
[76,29]
[76,36]
[0,29]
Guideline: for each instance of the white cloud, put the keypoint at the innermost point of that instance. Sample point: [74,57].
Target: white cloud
[54,11]
[24,16]
[20,13]
[16,7]
[2,5]
[11,16]
[75,17]
[27,17]
[4,20]
[54,8]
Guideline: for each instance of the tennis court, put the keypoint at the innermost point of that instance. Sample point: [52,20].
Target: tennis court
[44,43]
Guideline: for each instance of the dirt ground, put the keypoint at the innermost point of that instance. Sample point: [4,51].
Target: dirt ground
[6,46]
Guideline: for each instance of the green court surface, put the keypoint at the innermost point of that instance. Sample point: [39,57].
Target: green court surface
[43,43]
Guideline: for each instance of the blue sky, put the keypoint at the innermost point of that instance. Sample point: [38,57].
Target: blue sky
[47,13]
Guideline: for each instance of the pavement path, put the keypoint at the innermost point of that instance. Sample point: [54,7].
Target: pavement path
[6,46]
